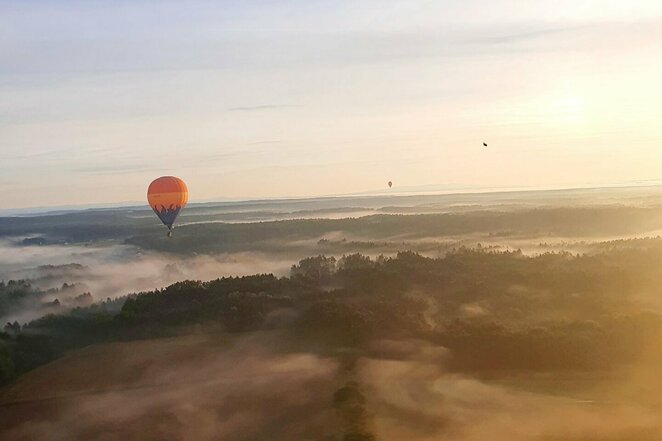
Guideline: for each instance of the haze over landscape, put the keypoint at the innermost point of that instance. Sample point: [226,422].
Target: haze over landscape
[330,221]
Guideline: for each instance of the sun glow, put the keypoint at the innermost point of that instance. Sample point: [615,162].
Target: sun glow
[570,109]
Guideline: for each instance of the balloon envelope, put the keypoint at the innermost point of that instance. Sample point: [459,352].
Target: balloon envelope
[390,184]
[167,195]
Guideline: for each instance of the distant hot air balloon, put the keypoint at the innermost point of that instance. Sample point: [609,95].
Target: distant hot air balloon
[390,184]
[167,195]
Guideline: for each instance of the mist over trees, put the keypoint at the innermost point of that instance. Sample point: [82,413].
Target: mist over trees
[492,310]
[205,230]
[369,340]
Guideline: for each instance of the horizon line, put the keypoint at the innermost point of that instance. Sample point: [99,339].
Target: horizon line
[404,192]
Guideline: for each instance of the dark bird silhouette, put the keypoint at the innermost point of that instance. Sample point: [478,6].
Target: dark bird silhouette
[484,144]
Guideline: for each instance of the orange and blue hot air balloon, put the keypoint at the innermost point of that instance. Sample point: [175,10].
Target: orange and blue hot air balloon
[167,196]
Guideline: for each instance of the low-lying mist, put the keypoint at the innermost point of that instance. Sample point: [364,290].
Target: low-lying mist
[260,387]
[534,325]
[415,398]
[65,272]
[195,387]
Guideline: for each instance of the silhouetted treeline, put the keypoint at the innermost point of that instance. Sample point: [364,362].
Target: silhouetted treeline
[277,236]
[140,227]
[492,310]
[20,295]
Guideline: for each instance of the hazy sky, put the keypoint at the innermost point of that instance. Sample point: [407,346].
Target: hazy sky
[301,98]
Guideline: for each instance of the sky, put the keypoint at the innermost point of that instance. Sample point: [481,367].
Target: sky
[261,99]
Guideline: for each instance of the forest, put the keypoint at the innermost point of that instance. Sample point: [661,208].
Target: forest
[322,321]
[491,310]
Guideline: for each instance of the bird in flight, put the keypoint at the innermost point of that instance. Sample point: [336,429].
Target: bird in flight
[484,144]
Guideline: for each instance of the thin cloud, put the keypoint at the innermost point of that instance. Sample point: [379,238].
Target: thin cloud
[265,142]
[262,107]
[222,156]
[114,169]
[526,35]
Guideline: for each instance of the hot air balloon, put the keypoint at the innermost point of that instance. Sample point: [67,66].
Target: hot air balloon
[167,196]
[390,184]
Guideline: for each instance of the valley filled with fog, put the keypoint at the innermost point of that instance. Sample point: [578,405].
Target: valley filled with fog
[463,317]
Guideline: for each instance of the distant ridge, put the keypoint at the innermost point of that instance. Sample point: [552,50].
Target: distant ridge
[423,190]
